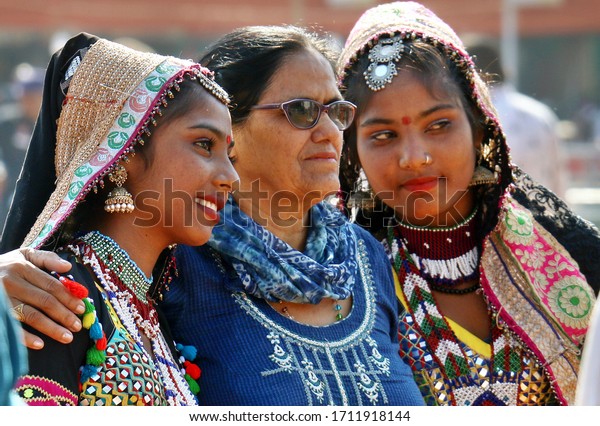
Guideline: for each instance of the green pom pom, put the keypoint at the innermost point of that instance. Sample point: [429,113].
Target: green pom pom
[89,306]
[95,357]
[194,386]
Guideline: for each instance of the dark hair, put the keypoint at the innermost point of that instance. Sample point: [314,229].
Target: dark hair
[245,60]
[439,73]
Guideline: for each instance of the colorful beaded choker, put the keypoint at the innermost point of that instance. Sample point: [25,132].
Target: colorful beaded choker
[126,288]
[118,261]
[445,257]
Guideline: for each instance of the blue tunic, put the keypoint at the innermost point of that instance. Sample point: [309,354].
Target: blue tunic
[252,355]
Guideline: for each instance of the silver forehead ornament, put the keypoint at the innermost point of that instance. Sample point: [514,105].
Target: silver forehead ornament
[381,69]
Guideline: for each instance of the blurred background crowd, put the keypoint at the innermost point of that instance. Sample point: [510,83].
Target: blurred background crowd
[544,55]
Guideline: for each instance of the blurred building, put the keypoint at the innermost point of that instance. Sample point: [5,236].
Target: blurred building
[558,51]
[557,55]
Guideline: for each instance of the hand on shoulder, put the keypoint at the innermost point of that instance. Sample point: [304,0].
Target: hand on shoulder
[38,299]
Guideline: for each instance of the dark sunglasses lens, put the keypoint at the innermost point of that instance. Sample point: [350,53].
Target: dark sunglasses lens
[342,114]
[303,113]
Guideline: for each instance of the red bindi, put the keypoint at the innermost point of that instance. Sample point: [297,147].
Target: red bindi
[228,140]
[406,120]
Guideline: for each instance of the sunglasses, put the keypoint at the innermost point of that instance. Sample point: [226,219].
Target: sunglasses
[305,113]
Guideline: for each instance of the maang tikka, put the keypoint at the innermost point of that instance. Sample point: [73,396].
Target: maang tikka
[382,58]
[119,199]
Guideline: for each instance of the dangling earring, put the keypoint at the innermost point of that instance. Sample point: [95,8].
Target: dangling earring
[119,199]
[482,175]
[362,196]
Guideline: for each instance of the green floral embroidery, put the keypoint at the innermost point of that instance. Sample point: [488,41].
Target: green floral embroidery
[519,222]
[126,120]
[571,302]
[166,68]
[154,83]
[116,140]
[84,170]
[74,189]
[574,301]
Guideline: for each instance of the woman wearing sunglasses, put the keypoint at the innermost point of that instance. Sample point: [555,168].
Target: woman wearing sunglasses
[288,304]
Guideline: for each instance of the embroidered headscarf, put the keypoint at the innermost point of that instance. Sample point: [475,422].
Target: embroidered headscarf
[271,269]
[394,26]
[36,181]
[112,96]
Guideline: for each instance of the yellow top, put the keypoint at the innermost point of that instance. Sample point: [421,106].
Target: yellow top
[482,348]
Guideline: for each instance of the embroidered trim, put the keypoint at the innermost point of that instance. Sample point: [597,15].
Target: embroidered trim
[369,364]
[36,390]
[523,288]
[559,284]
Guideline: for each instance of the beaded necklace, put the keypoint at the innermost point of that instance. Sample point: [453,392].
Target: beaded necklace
[445,257]
[337,308]
[444,346]
[128,276]
[123,281]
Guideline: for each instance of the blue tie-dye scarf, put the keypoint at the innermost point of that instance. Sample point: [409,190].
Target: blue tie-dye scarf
[270,269]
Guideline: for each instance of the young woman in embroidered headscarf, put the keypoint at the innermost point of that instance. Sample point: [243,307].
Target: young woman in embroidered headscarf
[117,103]
[491,275]
[289,303]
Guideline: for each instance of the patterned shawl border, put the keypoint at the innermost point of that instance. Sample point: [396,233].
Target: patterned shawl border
[518,312]
[511,288]
[51,393]
[84,184]
[571,327]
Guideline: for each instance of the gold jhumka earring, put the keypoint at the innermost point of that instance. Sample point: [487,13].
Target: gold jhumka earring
[482,175]
[119,199]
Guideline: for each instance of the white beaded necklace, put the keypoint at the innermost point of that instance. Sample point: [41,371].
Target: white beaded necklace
[177,390]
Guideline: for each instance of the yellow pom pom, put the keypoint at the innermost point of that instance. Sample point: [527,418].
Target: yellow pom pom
[88,320]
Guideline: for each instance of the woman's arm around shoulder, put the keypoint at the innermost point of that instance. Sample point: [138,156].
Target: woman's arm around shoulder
[56,371]
[46,305]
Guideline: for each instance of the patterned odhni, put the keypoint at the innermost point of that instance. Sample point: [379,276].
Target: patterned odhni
[537,257]
[527,355]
